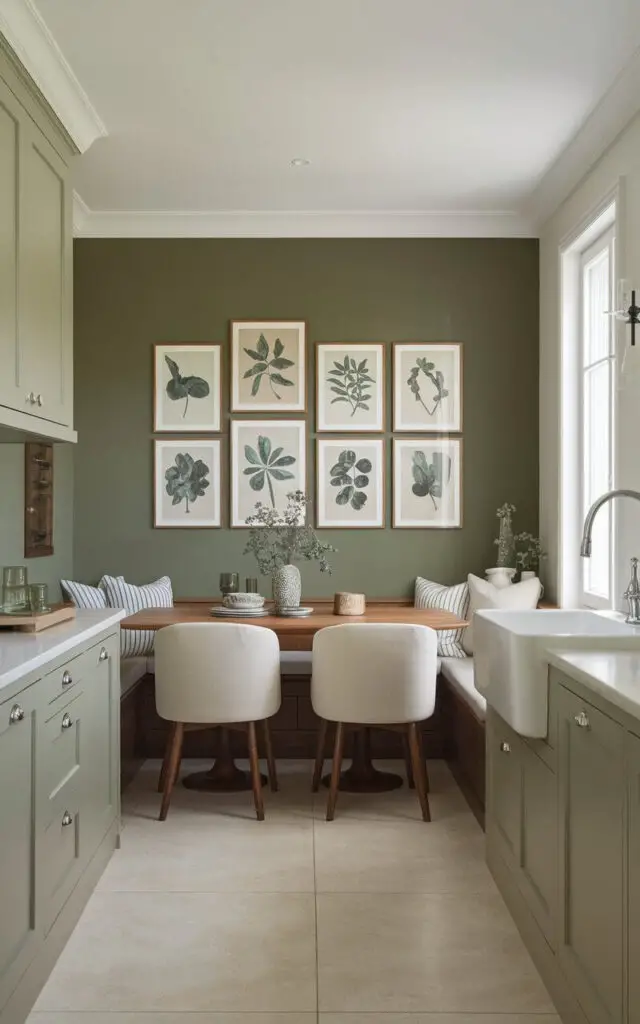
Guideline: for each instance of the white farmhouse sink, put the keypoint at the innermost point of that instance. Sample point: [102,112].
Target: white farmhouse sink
[509,656]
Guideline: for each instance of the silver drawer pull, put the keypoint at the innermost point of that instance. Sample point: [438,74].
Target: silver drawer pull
[30,398]
[66,679]
[582,720]
[67,721]
[16,714]
[40,400]
[66,819]
[104,654]
[505,747]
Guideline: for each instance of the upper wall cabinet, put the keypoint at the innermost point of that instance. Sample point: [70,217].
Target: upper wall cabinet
[36,252]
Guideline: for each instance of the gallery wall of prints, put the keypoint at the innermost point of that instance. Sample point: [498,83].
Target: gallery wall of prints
[211,469]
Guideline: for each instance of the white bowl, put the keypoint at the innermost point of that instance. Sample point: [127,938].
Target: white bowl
[243,601]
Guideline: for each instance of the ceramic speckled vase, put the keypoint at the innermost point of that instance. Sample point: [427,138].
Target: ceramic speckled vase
[287,587]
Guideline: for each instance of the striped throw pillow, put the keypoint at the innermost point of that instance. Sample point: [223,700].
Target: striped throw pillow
[136,643]
[83,595]
[449,599]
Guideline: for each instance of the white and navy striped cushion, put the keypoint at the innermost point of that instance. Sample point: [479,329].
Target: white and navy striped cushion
[83,595]
[135,643]
[449,599]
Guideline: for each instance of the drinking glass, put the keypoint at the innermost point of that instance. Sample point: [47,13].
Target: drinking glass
[229,583]
[251,585]
[39,598]
[15,590]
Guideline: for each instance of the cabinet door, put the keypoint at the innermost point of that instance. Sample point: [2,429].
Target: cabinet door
[592,840]
[538,876]
[100,746]
[634,879]
[12,389]
[45,283]
[504,795]
[18,930]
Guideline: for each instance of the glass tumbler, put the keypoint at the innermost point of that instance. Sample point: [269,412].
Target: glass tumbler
[251,585]
[15,590]
[39,598]
[229,583]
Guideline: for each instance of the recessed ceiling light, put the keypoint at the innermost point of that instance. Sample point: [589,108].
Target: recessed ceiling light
[300,161]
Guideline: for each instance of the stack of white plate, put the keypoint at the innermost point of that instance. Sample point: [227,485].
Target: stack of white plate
[239,613]
[245,606]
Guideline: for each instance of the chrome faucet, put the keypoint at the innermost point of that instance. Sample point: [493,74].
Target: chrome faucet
[632,593]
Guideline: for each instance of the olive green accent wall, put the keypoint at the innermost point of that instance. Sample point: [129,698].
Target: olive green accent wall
[132,293]
[59,565]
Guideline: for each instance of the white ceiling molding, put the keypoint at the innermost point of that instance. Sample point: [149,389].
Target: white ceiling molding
[610,117]
[35,47]
[298,224]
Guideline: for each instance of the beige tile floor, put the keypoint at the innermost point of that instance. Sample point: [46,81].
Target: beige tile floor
[375,918]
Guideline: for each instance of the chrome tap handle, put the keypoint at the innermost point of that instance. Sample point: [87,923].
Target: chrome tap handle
[632,594]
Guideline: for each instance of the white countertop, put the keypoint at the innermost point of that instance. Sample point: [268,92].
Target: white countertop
[614,675]
[23,653]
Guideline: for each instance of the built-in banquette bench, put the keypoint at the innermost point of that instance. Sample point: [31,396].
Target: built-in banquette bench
[455,732]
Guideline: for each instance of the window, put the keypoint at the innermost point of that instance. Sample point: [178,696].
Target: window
[596,413]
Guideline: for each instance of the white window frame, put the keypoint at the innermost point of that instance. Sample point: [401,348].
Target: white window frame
[605,243]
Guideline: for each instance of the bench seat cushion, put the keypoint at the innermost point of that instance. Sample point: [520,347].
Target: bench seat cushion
[460,673]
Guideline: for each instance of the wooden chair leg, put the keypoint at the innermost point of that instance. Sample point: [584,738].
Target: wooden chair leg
[175,754]
[320,749]
[271,761]
[407,761]
[419,771]
[423,758]
[255,772]
[165,759]
[335,772]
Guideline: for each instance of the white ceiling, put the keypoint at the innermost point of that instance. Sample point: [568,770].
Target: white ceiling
[400,105]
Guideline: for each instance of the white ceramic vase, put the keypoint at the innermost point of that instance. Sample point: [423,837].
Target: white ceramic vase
[287,587]
[501,576]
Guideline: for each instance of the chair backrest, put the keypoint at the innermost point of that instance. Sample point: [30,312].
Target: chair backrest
[217,672]
[374,674]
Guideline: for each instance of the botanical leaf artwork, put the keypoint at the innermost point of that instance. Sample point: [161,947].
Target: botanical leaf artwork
[186,481]
[437,379]
[351,475]
[429,477]
[350,381]
[267,464]
[184,387]
[268,367]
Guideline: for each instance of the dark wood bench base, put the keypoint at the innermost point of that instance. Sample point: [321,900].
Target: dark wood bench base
[464,747]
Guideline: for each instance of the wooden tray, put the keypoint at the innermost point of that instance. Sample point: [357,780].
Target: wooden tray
[34,623]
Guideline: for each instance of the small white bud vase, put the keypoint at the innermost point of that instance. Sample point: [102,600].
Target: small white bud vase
[500,577]
[287,587]
[527,574]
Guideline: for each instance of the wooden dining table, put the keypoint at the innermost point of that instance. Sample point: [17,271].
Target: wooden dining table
[296,634]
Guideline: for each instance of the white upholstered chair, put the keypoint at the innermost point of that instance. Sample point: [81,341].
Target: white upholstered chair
[379,675]
[216,674]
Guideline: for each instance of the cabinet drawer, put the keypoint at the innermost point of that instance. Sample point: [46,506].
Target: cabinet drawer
[61,745]
[68,676]
[60,862]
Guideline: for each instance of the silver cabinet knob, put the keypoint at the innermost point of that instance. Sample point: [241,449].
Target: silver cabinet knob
[31,510]
[40,400]
[67,721]
[505,747]
[67,819]
[582,720]
[30,398]
[104,654]
[66,679]
[16,714]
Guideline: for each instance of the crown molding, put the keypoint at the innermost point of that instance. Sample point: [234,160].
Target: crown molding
[89,223]
[28,36]
[608,119]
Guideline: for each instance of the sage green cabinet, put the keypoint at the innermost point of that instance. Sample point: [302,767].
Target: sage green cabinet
[592,790]
[18,923]
[634,878]
[504,788]
[12,390]
[100,741]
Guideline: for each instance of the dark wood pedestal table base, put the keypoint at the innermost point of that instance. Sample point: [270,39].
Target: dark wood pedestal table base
[361,776]
[224,776]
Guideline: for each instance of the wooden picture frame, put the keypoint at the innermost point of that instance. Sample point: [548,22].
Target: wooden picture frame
[181,372]
[258,445]
[280,348]
[200,510]
[437,501]
[429,400]
[363,405]
[361,484]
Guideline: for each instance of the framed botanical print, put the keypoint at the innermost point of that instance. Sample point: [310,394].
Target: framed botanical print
[427,483]
[427,387]
[268,366]
[187,483]
[350,484]
[187,388]
[268,461]
[350,387]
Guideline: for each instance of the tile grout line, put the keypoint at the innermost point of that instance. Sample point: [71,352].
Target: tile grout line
[315,903]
